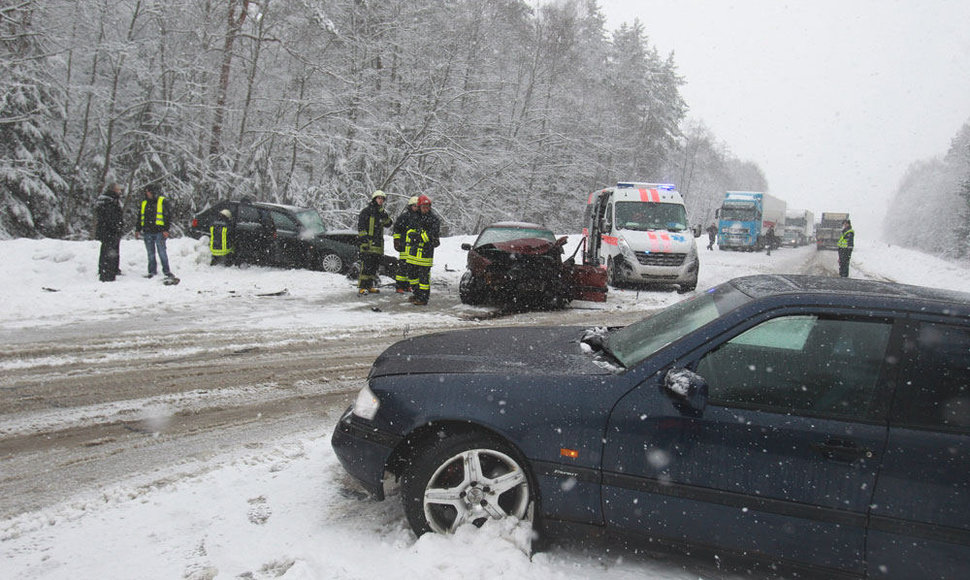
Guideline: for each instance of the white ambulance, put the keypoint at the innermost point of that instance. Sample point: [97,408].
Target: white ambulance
[640,233]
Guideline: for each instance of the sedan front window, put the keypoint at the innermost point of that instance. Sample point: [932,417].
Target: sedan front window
[636,342]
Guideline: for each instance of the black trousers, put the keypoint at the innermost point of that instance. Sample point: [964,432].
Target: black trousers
[109,259]
[844,255]
[369,264]
[403,276]
[423,276]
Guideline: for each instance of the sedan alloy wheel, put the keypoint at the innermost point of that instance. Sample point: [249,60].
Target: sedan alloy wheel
[464,479]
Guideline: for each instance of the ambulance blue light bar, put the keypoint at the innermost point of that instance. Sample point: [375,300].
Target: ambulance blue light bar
[635,185]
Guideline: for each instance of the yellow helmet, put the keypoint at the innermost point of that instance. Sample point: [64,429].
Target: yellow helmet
[377,194]
[413,200]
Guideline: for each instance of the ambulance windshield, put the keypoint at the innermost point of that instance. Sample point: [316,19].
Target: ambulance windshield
[645,216]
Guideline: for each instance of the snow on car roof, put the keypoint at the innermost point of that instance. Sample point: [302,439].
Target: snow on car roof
[769,284]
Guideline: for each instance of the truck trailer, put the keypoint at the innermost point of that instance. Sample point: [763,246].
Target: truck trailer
[744,218]
[829,230]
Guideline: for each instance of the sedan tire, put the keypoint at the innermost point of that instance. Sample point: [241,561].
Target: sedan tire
[469,291]
[461,479]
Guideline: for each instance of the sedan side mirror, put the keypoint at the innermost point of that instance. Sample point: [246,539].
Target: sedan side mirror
[466,246]
[688,390]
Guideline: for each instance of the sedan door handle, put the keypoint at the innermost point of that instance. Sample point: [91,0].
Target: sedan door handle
[842,450]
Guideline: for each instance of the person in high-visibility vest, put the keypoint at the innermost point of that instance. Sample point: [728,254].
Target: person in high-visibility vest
[423,237]
[370,237]
[152,225]
[222,238]
[402,277]
[845,244]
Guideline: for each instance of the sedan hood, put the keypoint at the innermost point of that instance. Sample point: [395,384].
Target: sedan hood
[507,351]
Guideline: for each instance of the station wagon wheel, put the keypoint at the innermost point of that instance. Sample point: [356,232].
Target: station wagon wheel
[331,263]
[464,479]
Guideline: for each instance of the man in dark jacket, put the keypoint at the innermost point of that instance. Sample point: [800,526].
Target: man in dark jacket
[845,244]
[423,237]
[107,229]
[370,237]
[402,277]
[153,221]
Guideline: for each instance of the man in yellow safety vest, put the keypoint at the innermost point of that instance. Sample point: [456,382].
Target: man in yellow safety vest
[221,239]
[845,244]
[152,225]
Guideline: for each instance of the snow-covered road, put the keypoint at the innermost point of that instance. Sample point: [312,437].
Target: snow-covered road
[159,432]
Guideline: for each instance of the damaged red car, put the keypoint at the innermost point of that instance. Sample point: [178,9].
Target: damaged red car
[520,265]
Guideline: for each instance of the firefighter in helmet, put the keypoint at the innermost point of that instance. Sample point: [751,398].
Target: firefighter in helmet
[370,238]
[423,236]
[402,277]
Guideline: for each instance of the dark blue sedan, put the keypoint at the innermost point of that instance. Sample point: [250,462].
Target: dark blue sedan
[817,423]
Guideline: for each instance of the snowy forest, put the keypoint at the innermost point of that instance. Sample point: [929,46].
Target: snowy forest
[931,208]
[496,109]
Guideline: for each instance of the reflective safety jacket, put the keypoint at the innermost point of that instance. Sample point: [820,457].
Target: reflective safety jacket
[370,228]
[220,240]
[153,217]
[400,230]
[422,238]
[847,240]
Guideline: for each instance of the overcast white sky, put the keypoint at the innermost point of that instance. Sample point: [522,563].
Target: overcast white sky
[833,99]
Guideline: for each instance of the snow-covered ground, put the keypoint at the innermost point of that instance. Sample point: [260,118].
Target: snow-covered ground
[285,509]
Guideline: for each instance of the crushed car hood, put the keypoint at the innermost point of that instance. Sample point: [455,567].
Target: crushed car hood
[508,351]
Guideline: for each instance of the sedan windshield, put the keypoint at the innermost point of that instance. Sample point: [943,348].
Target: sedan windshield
[312,221]
[499,235]
[634,343]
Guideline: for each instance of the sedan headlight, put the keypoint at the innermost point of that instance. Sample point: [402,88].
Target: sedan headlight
[366,405]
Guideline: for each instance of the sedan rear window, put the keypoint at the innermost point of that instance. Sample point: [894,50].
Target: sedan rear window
[312,221]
